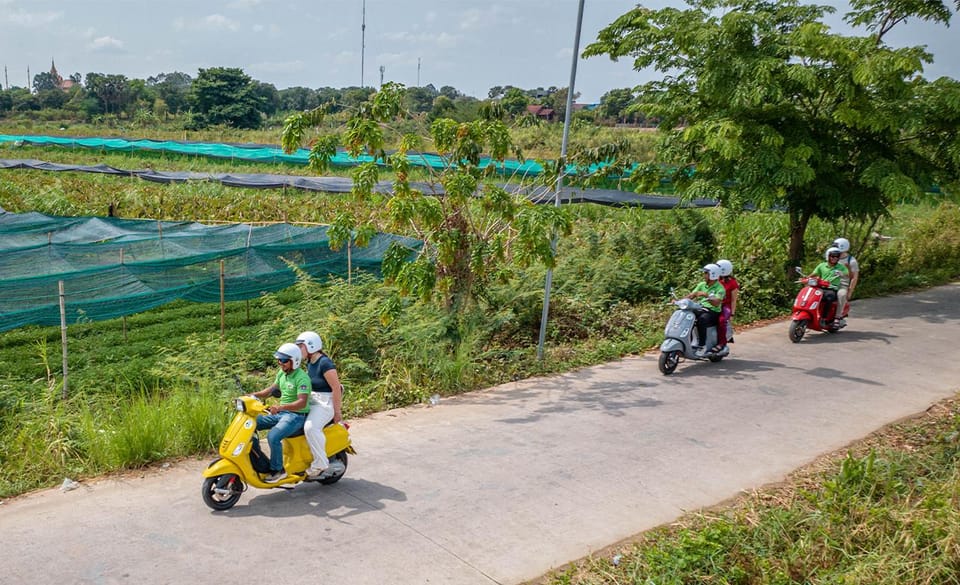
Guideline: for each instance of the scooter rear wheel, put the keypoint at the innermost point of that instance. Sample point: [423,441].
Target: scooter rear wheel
[668,362]
[342,458]
[213,491]
[797,330]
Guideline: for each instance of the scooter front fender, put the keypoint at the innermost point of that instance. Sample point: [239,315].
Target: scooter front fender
[802,315]
[222,466]
[671,345]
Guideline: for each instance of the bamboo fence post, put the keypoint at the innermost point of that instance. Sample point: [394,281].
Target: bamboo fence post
[124,317]
[63,338]
[223,311]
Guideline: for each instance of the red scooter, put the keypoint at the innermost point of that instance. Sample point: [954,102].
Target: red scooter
[807,310]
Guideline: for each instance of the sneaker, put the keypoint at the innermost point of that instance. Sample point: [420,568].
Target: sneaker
[275,476]
[313,472]
[335,469]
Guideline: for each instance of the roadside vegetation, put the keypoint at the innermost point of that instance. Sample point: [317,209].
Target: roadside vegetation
[881,512]
[158,385]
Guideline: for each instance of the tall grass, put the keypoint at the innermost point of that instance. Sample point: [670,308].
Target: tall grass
[883,513]
[131,392]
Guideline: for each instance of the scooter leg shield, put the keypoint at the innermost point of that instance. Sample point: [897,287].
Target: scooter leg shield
[671,345]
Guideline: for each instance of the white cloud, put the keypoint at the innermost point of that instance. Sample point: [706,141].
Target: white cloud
[443,39]
[106,45]
[210,22]
[220,22]
[269,67]
[344,57]
[471,19]
[31,19]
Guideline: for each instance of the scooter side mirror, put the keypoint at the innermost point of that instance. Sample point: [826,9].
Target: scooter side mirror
[798,270]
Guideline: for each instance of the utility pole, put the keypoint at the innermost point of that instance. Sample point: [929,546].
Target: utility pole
[382,69]
[6,80]
[28,80]
[363,39]
[418,71]
[563,168]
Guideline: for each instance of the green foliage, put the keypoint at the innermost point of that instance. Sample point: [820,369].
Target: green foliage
[884,516]
[226,95]
[773,109]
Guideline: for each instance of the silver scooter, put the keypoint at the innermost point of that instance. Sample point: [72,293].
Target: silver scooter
[680,338]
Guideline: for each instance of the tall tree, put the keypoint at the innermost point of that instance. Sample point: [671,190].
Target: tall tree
[615,102]
[471,235]
[173,88]
[226,95]
[515,101]
[761,103]
[111,91]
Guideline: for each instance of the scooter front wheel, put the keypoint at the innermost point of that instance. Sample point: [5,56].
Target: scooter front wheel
[668,362]
[222,492]
[797,330]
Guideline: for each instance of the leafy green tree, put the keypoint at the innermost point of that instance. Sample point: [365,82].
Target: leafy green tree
[226,95]
[420,99]
[297,99]
[173,88]
[472,235]
[515,101]
[442,106]
[44,81]
[615,102]
[269,97]
[52,99]
[21,100]
[760,103]
[111,91]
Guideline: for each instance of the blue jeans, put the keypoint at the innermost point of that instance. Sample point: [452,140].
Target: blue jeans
[281,425]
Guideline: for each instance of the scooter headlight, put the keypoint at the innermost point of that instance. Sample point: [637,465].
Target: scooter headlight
[812,282]
[238,404]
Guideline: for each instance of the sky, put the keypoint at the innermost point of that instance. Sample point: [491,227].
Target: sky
[466,44]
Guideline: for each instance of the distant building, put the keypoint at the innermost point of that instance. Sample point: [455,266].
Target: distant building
[541,111]
[62,84]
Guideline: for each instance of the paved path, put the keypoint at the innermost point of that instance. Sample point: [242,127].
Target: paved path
[502,485]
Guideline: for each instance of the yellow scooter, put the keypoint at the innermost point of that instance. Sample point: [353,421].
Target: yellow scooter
[241,462]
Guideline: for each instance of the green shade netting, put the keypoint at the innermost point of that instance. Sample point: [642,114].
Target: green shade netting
[268,153]
[113,267]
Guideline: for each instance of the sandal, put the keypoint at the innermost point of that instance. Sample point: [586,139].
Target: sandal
[716,349]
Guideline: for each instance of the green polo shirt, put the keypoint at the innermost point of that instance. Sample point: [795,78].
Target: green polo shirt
[292,385]
[714,290]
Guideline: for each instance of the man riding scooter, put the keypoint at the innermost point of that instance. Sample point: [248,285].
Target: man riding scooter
[833,272]
[710,294]
[288,417]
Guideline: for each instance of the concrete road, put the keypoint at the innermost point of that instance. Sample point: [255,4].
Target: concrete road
[500,486]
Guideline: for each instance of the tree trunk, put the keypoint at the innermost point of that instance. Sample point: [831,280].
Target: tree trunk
[798,227]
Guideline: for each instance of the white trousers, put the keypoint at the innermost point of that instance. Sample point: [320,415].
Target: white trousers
[841,300]
[321,412]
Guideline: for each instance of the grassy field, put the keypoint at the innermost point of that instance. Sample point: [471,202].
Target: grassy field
[132,380]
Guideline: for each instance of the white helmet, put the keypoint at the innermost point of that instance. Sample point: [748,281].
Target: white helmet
[842,243]
[311,341]
[289,351]
[712,270]
[726,267]
[830,251]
